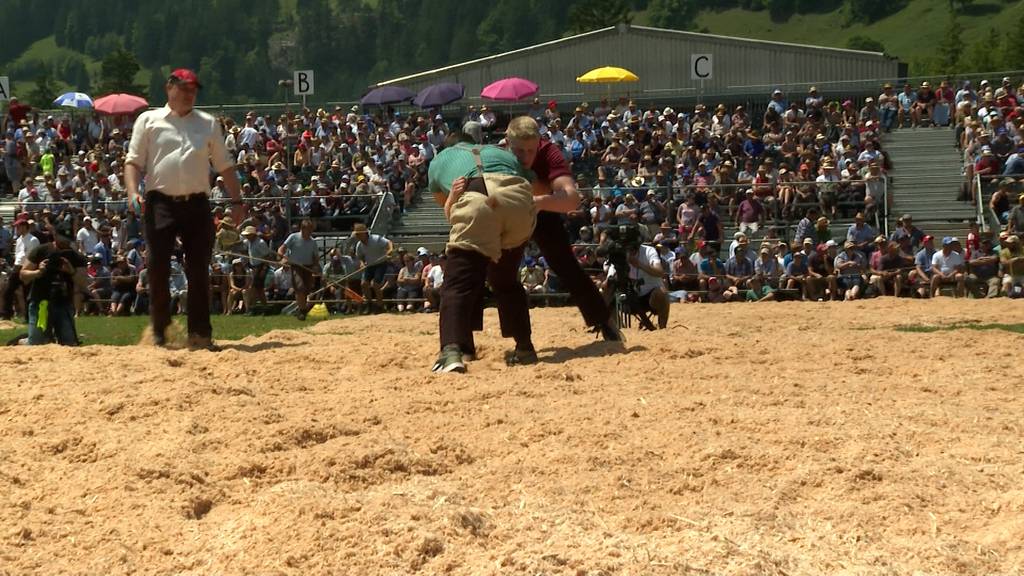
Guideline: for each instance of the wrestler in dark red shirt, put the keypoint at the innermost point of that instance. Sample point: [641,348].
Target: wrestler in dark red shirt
[555,194]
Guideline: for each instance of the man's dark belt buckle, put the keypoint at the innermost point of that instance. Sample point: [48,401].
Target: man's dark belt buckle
[476,185]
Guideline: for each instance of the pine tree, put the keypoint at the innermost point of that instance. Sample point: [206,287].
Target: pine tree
[981,55]
[157,81]
[118,73]
[43,94]
[596,14]
[951,48]
[1011,53]
[673,14]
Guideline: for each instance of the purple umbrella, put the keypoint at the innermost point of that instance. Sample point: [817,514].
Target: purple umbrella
[510,89]
[387,95]
[439,95]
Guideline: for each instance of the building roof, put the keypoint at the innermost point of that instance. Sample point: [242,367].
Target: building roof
[624,29]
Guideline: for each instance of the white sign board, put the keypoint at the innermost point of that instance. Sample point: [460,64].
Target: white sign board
[700,66]
[303,82]
[5,88]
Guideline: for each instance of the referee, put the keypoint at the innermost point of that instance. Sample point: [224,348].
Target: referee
[174,147]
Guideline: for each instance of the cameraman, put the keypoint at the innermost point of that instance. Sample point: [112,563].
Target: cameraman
[646,278]
[52,271]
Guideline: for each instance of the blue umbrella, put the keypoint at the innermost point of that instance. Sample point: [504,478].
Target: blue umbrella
[73,100]
[387,95]
[439,95]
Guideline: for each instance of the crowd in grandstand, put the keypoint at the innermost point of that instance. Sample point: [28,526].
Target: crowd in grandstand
[781,175]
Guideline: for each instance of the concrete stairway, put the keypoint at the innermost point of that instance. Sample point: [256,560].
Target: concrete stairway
[8,210]
[926,178]
[423,224]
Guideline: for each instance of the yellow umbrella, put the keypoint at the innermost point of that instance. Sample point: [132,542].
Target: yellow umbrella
[608,75]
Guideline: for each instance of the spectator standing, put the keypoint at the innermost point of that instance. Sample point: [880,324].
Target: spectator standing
[259,253]
[25,243]
[805,227]
[6,240]
[750,214]
[652,213]
[300,255]
[861,235]
[87,237]
[999,203]
[372,250]
[174,147]
[1015,219]
[709,226]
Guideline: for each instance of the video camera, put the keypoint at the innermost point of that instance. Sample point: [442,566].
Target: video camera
[622,240]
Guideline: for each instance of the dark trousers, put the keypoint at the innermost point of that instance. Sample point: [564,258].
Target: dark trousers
[513,304]
[166,219]
[553,241]
[462,294]
[7,302]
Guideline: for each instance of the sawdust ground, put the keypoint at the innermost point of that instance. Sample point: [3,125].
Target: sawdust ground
[780,438]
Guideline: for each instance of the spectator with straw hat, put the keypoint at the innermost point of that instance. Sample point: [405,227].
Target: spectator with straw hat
[260,256]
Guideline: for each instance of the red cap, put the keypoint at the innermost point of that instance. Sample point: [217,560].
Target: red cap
[21,219]
[186,76]
[927,238]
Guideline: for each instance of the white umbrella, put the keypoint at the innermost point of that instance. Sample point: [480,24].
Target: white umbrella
[73,100]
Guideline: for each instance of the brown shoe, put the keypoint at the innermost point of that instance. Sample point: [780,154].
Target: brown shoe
[202,343]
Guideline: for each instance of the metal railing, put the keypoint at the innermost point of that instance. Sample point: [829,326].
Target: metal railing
[979,204]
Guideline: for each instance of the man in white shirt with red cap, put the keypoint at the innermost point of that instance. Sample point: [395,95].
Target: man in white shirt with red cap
[174,147]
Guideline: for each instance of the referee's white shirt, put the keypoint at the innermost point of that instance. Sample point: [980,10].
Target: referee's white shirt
[176,152]
[24,246]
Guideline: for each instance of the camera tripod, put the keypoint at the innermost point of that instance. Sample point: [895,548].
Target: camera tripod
[629,305]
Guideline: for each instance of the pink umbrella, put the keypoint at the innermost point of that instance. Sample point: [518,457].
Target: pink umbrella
[118,104]
[510,89]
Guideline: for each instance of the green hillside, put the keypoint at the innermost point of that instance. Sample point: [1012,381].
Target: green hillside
[241,49]
[911,34]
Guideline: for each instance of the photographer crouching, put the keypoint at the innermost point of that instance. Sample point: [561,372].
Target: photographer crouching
[52,271]
[643,288]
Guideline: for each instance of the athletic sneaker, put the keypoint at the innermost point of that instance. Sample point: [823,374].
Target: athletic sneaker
[449,360]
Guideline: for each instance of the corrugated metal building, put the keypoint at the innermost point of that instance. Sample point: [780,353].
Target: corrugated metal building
[663,59]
